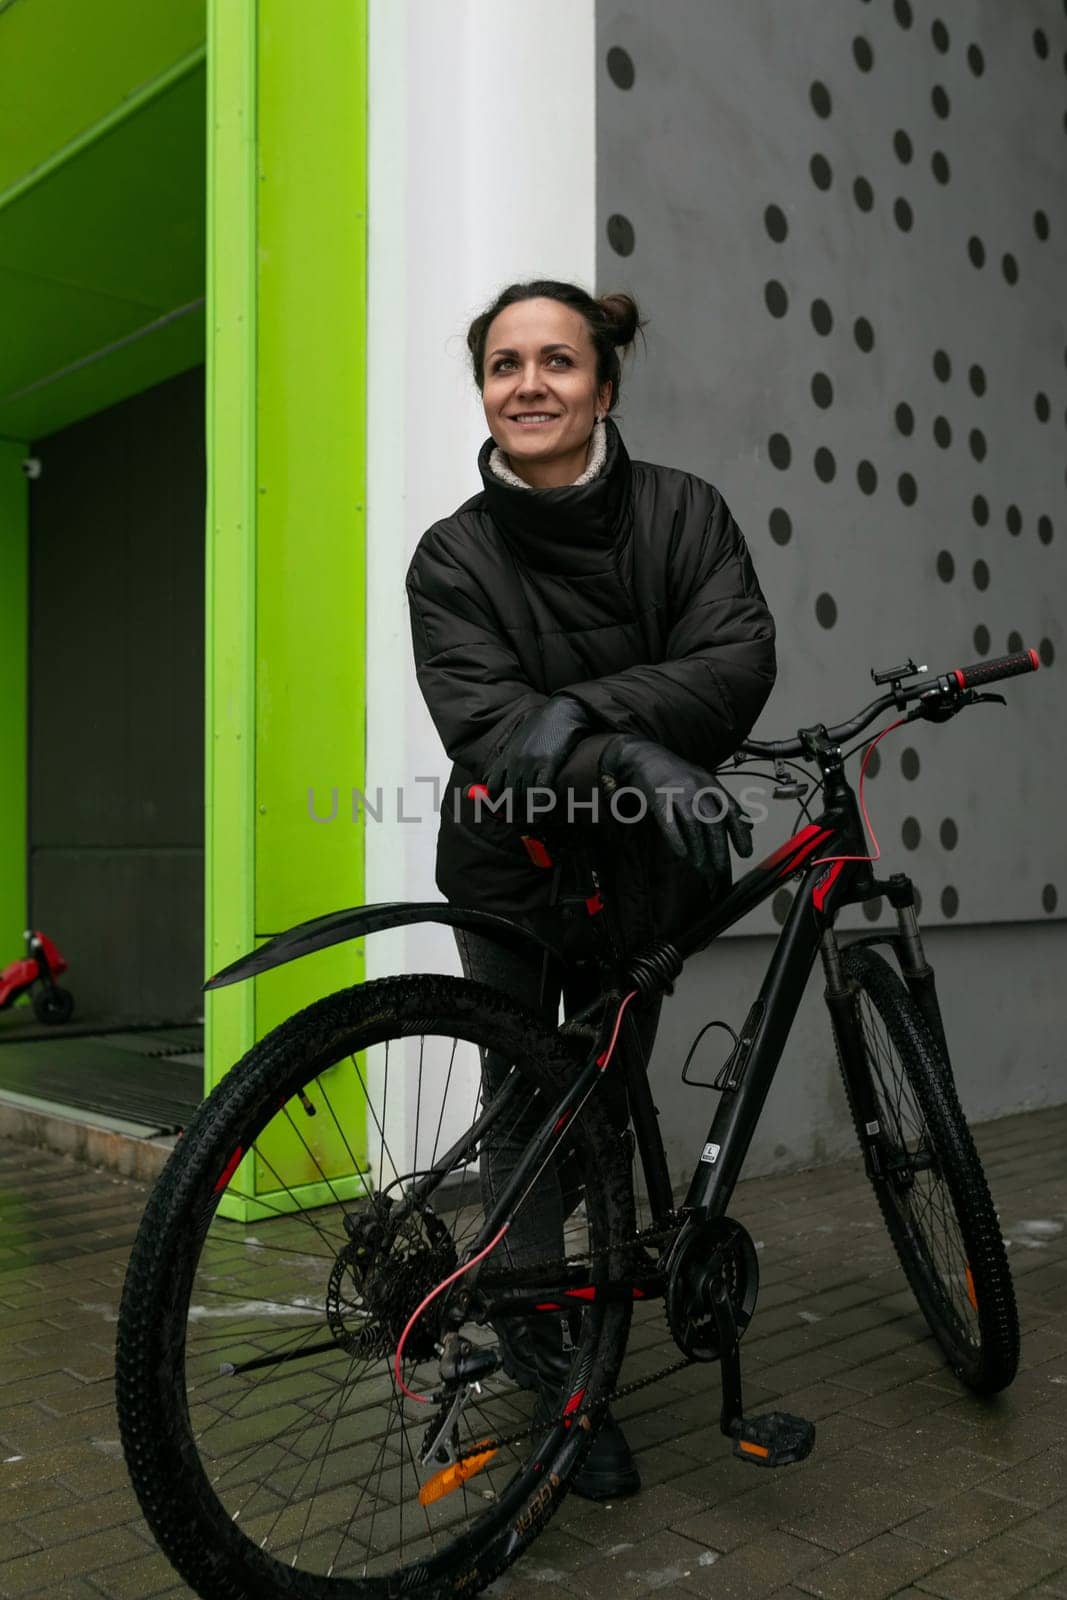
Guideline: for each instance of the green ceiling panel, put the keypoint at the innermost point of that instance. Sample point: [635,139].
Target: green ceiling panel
[119,218]
[102,253]
[129,369]
[66,65]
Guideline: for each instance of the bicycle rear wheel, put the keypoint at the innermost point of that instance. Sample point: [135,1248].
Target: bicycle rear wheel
[929,1182]
[270,1446]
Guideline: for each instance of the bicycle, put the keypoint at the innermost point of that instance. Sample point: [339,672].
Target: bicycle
[315,1407]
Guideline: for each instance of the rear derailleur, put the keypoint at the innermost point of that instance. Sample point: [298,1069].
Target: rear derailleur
[463,1366]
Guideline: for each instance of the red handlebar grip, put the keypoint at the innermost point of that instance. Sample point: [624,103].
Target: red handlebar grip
[1002,667]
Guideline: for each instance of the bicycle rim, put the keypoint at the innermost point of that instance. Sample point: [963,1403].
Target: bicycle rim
[265,1349]
[933,1192]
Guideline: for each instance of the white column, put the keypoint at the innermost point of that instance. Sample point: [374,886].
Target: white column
[482,172]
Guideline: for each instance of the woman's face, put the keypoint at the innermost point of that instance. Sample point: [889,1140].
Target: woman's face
[540,363]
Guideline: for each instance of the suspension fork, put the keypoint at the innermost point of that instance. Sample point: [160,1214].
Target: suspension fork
[907,945]
[840,995]
[917,971]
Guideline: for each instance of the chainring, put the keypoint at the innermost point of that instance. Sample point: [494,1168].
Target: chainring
[703,1250]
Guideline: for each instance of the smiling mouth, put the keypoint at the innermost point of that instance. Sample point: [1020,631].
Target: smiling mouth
[534,419]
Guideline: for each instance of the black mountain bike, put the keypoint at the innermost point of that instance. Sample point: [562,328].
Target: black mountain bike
[314,1405]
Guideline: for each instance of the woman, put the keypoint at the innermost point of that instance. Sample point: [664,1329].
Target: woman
[583,624]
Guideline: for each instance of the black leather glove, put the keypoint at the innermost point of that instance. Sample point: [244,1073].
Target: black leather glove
[701,829]
[538,748]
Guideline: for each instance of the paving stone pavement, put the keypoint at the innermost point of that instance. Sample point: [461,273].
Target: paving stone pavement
[915,1487]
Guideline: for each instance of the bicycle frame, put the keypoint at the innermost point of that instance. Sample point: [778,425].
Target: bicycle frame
[830,856]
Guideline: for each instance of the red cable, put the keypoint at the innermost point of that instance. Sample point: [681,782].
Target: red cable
[820,860]
[603,1060]
[424,1399]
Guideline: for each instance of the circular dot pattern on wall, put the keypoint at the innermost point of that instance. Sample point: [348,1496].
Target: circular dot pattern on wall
[943,425]
[620,68]
[621,234]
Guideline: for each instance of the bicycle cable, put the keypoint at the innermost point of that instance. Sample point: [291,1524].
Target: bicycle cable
[866,744]
[602,1062]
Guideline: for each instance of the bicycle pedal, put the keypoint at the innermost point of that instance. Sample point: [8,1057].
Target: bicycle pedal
[774,1440]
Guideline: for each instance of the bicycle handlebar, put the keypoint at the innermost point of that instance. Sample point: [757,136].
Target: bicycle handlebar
[943,697]
[1002,667]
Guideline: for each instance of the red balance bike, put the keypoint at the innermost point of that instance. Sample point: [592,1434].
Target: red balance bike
[41,965]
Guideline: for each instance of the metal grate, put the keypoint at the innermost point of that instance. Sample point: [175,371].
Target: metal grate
[127,1075]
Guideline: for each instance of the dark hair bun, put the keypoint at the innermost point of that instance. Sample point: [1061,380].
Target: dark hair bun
[620,310]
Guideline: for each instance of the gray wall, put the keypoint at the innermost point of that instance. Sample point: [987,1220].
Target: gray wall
[116,712]
[846,224]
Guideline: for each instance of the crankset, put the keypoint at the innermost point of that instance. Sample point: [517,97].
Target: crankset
[716,1251]
[712,1283]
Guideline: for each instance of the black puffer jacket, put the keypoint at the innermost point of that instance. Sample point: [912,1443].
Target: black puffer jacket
[635,593]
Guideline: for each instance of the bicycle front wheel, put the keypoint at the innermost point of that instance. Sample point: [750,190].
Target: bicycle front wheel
[270,1444]
[929,1181]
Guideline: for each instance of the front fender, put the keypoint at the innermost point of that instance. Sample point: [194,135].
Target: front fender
[337,926]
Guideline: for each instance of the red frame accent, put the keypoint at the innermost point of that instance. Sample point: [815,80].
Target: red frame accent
[229,1169]
[825,884]
[788,856]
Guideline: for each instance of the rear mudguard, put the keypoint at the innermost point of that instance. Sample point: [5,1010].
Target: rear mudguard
[337,926]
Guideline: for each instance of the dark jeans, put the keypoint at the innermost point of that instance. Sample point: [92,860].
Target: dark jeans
[537,1232]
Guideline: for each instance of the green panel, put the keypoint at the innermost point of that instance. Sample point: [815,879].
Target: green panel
[230,582]
[65,65]
[102,264]
[311,375]
[14,610]
[306,1150]
[240,1207]
[286,379]
[310,479]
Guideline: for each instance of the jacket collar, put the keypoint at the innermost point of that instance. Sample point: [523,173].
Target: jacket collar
[574,529]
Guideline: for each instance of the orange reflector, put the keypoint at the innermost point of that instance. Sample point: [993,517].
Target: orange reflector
[972,1297]
[753,1449]
[454,1477]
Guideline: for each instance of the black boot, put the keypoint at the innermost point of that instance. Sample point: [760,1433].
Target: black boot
[609,1471]
[532,1354]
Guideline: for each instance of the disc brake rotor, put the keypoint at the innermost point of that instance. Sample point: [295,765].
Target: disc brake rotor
[379,1279]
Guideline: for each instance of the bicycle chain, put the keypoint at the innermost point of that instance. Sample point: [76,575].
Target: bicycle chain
[664,1235]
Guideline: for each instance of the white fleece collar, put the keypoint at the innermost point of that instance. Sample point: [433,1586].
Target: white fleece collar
[598,449]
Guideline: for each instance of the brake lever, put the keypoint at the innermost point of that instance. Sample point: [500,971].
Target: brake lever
[944,700]
[999,698]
